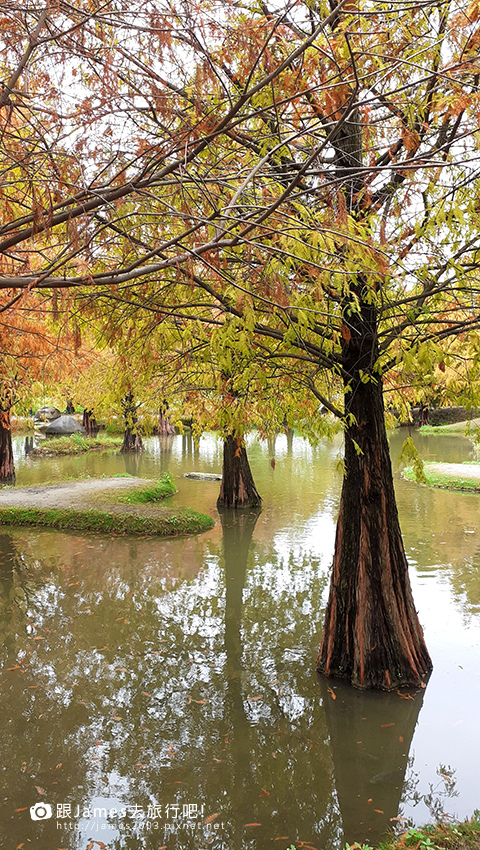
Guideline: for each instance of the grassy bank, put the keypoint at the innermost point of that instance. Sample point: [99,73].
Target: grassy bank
[76,444]
[166,521]
[165,487]
[440,836]
[458,428]
[444,481]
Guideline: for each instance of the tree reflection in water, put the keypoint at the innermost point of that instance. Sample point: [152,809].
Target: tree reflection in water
[146,671]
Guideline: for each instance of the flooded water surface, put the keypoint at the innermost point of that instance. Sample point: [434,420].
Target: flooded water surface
[163,693]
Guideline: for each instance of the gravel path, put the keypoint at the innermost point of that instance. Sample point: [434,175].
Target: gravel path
[456,470]
[69,494]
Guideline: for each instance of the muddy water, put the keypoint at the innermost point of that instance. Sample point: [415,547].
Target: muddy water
[180,675]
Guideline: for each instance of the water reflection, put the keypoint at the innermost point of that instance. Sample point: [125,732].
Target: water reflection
[182,672]
[370,736]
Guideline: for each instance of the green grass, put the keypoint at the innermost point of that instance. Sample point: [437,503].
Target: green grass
[457,428]
[76,444]
[444,482]
[165,487]
[167,522]
[440,836]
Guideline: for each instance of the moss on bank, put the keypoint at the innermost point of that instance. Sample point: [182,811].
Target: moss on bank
[76,444]
[166,522]
[445,481]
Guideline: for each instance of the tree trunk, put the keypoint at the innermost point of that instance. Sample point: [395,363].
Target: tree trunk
[165,427]
[371,634]
[132,441]
[89,423]
[237,489]
[7,468]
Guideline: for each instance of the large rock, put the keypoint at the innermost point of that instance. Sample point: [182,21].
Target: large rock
[64,425]
[46,414]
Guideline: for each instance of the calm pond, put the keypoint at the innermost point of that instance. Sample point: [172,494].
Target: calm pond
[174,681]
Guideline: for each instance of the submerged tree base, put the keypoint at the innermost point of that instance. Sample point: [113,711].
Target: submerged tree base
[237,489]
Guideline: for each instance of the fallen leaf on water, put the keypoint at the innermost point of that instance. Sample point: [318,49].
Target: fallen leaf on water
[210,818]
[40,790]
[332,694]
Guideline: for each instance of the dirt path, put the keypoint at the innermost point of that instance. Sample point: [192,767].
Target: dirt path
[456,470]
[92,493]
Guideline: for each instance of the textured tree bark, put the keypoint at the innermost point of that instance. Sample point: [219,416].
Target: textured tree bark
[237,489]
[7,467]
[132,441]
[372,634]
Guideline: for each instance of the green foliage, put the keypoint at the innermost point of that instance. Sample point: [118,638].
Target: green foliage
[163,489]
[77,444]
[410,453]
[439,836]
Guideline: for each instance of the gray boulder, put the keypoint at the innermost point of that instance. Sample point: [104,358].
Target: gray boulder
[46,414]
[64,425]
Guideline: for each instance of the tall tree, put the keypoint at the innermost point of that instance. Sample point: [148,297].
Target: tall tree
[308,173]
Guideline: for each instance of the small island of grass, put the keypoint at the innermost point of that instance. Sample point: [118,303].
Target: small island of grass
[75,444]
[449,476]
[122,506]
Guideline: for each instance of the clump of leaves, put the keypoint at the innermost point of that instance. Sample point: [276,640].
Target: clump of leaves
[410,455]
